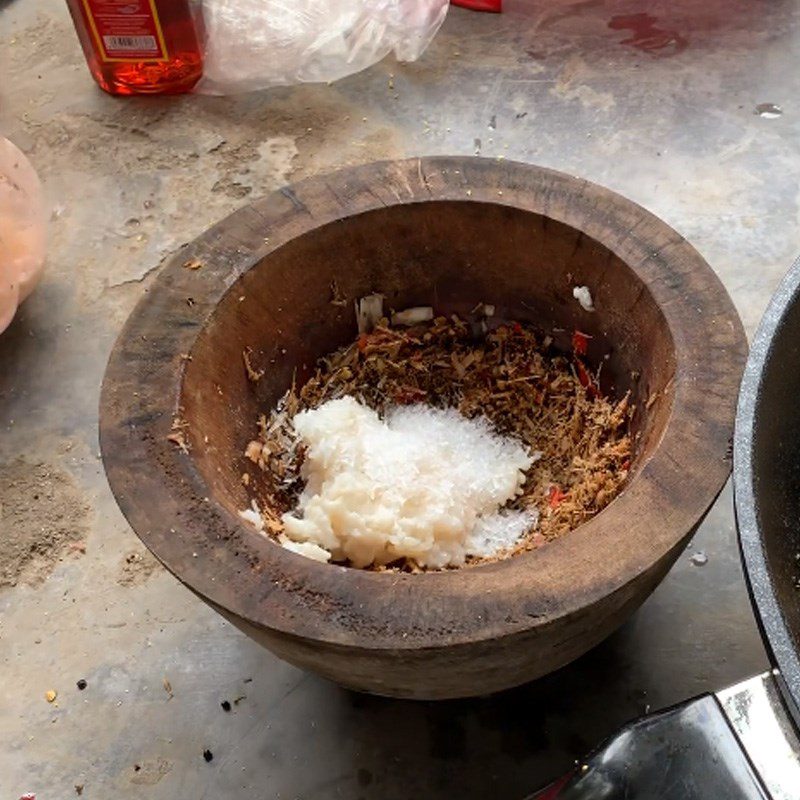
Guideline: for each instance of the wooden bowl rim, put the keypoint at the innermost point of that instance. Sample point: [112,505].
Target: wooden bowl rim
[172,510]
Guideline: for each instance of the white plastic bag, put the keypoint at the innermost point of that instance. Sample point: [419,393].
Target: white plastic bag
[255,44]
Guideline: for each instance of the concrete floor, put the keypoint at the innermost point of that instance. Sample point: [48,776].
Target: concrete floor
[666,118]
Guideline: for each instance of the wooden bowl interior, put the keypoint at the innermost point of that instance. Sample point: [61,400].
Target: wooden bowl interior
[448,254]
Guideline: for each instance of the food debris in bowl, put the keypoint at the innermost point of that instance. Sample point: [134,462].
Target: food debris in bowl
[437,442]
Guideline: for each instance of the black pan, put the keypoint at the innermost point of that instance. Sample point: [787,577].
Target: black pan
[766,468]
[739,743]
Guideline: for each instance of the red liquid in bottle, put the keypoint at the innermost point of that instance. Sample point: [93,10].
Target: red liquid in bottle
[140,46]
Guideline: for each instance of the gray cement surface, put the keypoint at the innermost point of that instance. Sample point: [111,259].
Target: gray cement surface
[661,110]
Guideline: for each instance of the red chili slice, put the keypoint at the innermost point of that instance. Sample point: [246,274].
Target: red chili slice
[585,379]
[555,496]
[407,395]
[580,342]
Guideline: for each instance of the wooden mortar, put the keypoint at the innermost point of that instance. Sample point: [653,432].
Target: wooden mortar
[447,232]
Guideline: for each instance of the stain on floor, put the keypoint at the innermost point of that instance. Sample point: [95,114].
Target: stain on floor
[137,566]
[149,773]
[43,519]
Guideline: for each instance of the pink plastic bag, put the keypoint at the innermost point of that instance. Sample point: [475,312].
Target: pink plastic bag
[23,230]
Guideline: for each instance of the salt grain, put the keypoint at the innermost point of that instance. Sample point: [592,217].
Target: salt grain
[699,559]
[423,484]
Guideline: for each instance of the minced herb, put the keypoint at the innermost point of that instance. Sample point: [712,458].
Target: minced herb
[509,373]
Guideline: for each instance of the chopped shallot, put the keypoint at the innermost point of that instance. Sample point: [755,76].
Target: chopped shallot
[412,316]
[307,549]
[584,297]
[369,311]
[253,516]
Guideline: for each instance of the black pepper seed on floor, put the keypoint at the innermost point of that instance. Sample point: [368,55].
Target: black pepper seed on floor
[81,684]
[136,767]
[226,706]
[208,755]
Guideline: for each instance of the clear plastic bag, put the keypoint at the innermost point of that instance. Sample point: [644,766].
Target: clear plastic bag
[255,44]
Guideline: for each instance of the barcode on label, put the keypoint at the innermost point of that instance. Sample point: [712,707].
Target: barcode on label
[132,43]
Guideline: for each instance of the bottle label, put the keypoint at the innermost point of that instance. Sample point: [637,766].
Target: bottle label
[126,30]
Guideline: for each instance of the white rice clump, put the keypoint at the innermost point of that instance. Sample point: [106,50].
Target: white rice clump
[423,484]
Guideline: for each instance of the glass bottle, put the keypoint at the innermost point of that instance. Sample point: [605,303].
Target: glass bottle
[140,46]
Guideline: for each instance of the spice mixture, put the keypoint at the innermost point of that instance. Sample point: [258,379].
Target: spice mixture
[510,374]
